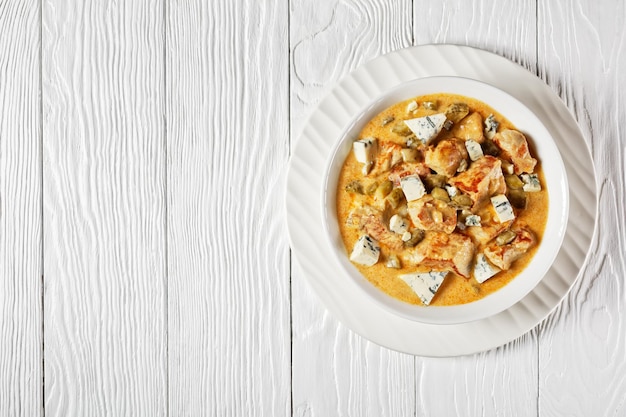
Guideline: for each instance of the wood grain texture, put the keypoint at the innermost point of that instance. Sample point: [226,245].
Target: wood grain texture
[104,200]
[330,38]
[227,135]
[500,382]
[503,381]
[582,55]
[336,372]
[507,29]
[21,371]
[166,269]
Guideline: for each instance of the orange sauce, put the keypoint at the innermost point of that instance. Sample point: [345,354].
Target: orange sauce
[455,289]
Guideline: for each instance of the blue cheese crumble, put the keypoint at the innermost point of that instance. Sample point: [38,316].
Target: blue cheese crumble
[366,251]
[491,126]
[483,270]
[412,187]
[503,208]
[531,183]
[428,127]
[474,150]
[424,284]
[472,220]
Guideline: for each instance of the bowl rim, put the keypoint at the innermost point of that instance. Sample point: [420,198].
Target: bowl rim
[558,204]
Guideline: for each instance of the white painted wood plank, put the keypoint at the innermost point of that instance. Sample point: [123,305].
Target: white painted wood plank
[500,382]
[104,208]
[507,29]
[503,381]
[330,38]
[227,135]
[582,55]
[336,372]
[21,370]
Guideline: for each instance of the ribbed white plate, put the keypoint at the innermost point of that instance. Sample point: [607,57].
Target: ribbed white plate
[305,181]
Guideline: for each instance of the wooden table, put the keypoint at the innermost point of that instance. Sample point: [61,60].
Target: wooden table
[144,263]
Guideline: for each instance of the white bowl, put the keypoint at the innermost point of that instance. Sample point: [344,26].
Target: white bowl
[544,149]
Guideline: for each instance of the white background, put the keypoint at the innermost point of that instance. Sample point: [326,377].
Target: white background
[144,262]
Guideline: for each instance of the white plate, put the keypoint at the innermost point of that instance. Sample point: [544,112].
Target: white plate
[555,181]
[306,177]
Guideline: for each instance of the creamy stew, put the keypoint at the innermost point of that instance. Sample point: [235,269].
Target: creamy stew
[442,201]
